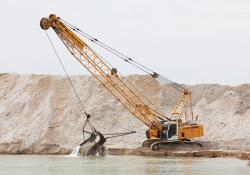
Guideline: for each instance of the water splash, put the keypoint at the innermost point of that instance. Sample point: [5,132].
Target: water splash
[75,152]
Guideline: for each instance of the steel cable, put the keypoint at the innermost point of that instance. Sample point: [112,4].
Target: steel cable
[66,73]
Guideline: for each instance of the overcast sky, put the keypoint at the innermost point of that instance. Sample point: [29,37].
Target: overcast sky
[188,41]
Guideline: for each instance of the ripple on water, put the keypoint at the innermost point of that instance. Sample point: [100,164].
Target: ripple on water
[119,165]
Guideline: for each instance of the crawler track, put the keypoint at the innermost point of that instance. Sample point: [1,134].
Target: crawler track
[158,144]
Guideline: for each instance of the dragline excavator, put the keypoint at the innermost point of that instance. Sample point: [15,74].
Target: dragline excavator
[162,129]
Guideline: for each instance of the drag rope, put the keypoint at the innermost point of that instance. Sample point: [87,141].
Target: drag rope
[74,89]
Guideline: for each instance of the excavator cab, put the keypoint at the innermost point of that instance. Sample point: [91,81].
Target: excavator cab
[168,131]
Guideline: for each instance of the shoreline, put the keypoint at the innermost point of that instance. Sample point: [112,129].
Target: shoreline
[241,154]
[57,150]
[53,149]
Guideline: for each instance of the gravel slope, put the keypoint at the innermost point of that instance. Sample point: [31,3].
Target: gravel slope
[40,114]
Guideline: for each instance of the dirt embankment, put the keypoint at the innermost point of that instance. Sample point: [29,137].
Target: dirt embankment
[39,114]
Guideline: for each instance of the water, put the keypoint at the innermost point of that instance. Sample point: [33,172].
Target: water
[119,165]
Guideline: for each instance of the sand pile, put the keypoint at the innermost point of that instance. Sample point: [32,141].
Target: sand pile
[40,114]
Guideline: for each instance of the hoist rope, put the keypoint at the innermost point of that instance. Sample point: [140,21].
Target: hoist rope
[79,100]
[108,48]
[115,52]
[67,75]
[124,57]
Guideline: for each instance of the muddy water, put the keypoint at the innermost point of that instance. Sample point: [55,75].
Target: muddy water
[119,165]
